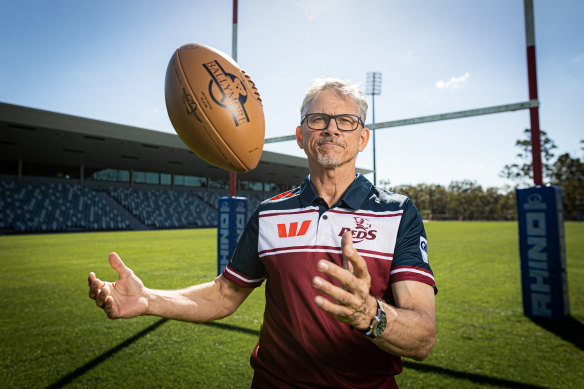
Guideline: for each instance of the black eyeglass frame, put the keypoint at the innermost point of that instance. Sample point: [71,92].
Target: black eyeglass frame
[359,120]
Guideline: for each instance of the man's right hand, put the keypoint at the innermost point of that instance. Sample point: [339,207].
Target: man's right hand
[125,298]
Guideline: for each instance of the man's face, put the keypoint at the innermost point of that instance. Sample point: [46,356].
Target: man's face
[331,148]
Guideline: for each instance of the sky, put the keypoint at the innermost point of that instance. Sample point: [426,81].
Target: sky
[107,60]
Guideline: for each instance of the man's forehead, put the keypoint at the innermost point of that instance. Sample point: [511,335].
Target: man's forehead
[334,100]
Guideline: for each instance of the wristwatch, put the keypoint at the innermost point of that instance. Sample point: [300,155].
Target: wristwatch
[378,324]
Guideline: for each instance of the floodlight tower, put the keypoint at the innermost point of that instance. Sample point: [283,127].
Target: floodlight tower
[373,87]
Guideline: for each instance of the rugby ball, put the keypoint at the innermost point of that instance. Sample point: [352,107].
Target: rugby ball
[215,107]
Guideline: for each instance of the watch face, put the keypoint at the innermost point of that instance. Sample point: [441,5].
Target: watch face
[379,327]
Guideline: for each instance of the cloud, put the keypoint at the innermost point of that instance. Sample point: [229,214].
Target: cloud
[454,82]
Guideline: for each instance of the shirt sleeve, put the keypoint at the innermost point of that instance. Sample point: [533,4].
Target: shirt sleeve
[245,268]
[410,260]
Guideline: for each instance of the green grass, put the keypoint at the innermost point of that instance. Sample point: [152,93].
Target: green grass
[52,333]
[483,337]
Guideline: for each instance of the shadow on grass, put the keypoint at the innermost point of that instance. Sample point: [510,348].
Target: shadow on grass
[571,329]
[97,360]
[472,377]
[232,328]
[101,358]
[562,329]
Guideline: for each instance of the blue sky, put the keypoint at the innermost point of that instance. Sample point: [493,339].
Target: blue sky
[107,60]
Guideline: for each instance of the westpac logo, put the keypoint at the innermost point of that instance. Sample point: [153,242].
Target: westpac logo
[291,230]
[362,230]
[227,91]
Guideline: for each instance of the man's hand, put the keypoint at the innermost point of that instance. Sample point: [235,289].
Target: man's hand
[354,305]
[124,298]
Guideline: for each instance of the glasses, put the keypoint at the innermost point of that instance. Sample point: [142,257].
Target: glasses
[320,121]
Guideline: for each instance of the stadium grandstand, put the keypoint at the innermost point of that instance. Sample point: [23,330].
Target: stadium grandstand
[67,173]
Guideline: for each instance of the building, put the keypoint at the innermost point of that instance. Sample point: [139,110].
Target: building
[39,147]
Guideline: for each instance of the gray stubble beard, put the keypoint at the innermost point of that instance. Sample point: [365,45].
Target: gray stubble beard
[329,161]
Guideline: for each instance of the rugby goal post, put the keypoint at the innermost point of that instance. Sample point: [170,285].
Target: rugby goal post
[435,118]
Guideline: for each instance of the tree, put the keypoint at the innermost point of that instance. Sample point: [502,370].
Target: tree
[569,174]
[464,200]
[437,197]
[522,172]
[566,171]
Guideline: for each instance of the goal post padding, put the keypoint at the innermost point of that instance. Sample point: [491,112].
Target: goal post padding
[231,221]
[542,252]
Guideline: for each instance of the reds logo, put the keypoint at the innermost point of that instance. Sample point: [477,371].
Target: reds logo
[361,231]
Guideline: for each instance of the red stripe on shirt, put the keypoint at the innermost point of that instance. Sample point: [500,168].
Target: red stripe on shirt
[287,213]
[239,279]
[380,214]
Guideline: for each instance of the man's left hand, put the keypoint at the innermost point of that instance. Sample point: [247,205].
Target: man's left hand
[352,302]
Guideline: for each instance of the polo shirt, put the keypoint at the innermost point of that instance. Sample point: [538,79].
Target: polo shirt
[300,345]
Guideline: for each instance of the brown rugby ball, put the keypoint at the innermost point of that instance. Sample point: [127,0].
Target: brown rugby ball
[215,107]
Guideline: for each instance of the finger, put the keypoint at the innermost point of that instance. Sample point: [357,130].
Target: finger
[341,312]
[352,257]
[93,291]
[348,265]
[90,281]
[95,287]
[108,307]
[343,276]
[101,297]
[338,294]
[118,265]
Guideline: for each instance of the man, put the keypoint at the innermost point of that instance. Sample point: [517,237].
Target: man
[348,286]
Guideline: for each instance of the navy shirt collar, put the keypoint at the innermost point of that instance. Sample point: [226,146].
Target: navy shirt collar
[353,197]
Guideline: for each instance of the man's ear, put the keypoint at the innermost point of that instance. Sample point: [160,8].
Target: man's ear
[364,138]
[299,136]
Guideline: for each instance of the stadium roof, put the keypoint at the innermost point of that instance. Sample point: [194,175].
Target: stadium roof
[44,137]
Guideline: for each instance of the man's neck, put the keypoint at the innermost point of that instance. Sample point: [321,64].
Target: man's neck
[330,184]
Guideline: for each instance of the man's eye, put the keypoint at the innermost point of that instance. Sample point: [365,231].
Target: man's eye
[318,119]
[346,120]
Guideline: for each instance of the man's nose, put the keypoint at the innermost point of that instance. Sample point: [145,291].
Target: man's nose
[332,128]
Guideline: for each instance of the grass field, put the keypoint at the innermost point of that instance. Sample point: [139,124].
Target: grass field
[52,334]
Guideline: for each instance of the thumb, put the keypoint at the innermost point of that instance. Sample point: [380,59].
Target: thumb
[118,265]
[354,262]
[346,246]
[347,243]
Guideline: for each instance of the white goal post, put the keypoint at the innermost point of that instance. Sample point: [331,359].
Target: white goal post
[435,118]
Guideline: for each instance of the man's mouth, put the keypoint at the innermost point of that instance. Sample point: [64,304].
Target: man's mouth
[327,142]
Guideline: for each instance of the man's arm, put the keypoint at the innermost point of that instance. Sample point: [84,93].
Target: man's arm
[199,303]
[410,329]
[128,297]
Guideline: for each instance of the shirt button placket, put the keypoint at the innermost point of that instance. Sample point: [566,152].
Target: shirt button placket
[323,217]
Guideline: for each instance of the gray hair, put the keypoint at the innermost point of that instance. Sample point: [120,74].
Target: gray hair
[344,89]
